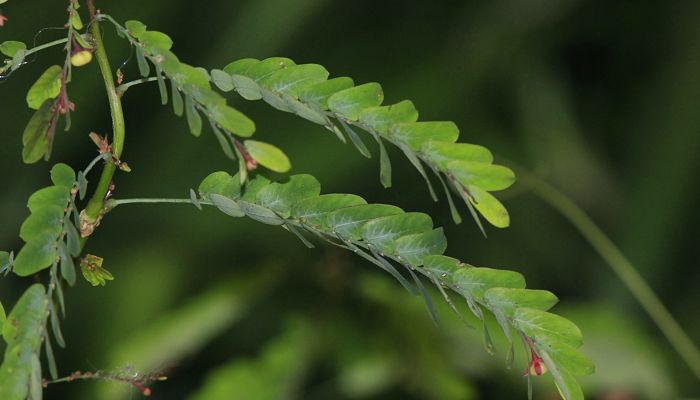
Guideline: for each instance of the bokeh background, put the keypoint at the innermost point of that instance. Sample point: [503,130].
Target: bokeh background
[600,98]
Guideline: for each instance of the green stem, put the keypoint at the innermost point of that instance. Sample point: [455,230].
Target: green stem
[121,89]
[115,202]
[624,269]
[96,203]
[45,46]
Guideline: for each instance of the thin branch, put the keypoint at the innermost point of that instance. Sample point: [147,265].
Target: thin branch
[121,89]
[117,202]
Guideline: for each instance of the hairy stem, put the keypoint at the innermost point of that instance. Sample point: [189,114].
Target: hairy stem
[96,203]
[624,269]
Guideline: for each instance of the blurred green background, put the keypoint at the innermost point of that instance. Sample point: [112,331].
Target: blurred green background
[601,98]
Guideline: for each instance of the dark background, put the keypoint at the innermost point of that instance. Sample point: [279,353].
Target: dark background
[600,98]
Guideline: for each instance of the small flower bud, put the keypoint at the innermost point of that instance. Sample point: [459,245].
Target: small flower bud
[81,58]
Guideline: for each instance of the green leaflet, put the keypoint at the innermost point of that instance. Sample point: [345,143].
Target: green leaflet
[442,152]
[194,120]
[350,102]
[222,80]
[154,42]
[319,93]
[381,233]
[489,207]
[36,135]
[48,86]
[442,268]
[135,28]
[253,187]
[240,67]
[289,80]
[508,299]
[347,222]
[260,214]
[416,134]
[411,249]
[246,87]
[474,282]
[567,357]
[261,70]
[11,47]
[45,221]
[545,327]
[226,205]
[311,211]
[280,197]
[267,155]
[22,333]
[220,183]
[47,197]
[144,68]
[232,120]
[382,118]
[488,177]
[63,175]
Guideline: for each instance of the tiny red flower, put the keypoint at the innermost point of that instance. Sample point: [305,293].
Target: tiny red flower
[2,20]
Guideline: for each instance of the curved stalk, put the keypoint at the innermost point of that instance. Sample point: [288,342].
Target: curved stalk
[622,267]
[96,204]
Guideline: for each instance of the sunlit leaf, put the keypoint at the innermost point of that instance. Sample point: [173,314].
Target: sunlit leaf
[489,207]
[416,134]
[486,176]
[267,155]
[63,175]
[135,28]
[413,248]
[476,281]
[507,300]
[319,93]
[48,86]
[11,47]
[288,80]
[545,327]
[311,211]
[350,102]
[222,80]
[232,120]
[381,118]
[382,232]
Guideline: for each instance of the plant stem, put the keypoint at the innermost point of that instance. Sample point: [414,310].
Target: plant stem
[624,269]
[121,89]
[96,203]
[45,46]
[115,202]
